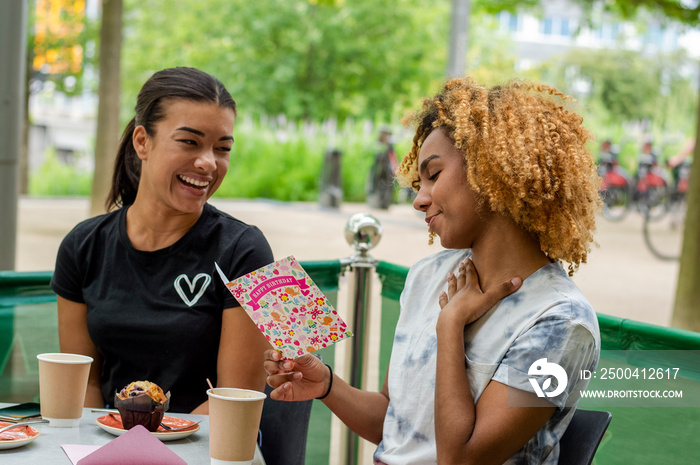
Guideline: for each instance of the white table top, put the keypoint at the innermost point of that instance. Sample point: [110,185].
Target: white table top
[193,449]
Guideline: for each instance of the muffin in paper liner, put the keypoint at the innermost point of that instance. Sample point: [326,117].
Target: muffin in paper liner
[141,410]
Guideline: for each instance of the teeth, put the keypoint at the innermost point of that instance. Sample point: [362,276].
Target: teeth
[194,182]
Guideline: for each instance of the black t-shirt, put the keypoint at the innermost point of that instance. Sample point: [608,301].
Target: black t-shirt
[157,315]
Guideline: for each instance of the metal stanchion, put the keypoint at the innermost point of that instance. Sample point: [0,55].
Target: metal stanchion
[363,232]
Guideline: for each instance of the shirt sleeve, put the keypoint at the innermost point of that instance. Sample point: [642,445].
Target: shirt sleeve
[67,277]
[251,252]
[549,355]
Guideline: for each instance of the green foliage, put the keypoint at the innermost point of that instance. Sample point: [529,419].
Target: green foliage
[629,97]
[55,178]
[686,12]
[272,159]
[620,80]
[495,6]
[369,60]
[284,161]
[491,59]
[307,60]
[60,48]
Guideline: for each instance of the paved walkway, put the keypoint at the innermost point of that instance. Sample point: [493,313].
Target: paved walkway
[621,278]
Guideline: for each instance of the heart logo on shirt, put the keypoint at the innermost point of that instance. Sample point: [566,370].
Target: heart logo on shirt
[192,286]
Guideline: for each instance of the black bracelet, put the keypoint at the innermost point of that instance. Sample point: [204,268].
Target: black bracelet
[330,385]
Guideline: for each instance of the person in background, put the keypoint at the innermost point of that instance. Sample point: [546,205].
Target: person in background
[380,182]
[505,181]
[137,287]
[607,154]
[650,181]
[683,154]
[648,160]
[609,167]
[679,165]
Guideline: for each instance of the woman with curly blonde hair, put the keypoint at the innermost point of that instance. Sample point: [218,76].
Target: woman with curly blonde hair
[525,155]
[480,373]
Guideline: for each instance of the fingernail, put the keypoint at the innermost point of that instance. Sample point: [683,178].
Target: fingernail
[296,375]
[286,365]
[516,282]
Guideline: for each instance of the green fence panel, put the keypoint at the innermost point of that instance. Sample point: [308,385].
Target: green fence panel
[393,278]
[29,326]
[625,334]
[326,275]
[21,288]
[639,435]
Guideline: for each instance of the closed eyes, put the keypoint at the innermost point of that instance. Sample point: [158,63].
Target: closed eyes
[195,144]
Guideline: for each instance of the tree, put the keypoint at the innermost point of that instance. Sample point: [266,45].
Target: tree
[686,312]
[56,40]
[108,110]
[674,10]
[622,86]
[306,60]
[458,44]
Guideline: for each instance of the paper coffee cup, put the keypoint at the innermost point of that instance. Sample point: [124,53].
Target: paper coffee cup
[234,420]
[62,386]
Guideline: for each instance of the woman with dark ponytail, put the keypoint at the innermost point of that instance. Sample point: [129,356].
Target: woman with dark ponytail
[137,290]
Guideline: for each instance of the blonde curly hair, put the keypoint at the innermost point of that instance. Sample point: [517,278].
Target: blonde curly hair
[525,157]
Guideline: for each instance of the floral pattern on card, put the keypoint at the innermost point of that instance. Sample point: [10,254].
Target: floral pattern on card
[288,308]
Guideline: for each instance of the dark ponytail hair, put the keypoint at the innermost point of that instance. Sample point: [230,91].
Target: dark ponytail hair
[172,83]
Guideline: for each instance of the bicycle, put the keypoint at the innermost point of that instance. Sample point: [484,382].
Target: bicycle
[664,236]
[651,193]
[614,188]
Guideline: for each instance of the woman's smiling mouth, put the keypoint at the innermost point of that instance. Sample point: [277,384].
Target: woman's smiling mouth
[191,182]
[430,220]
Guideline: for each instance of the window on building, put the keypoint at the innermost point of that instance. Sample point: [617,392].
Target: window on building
[608,32]
[547,26]
[556,26]
[654,35]
[672,38]
[508,21]
[513,23]
[565,29]
[614,31]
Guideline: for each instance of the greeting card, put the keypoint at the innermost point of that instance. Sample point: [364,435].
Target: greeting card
[288,308]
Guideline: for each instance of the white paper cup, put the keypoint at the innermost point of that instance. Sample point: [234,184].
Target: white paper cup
[230,462]
[234,420]
[62,386]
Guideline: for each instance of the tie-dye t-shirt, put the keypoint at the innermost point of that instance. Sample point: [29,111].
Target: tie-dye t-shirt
[547,318]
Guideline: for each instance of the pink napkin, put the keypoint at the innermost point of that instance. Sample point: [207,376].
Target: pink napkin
[76,452]
[136,446]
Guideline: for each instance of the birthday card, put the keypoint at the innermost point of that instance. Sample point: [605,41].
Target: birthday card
[288,308]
